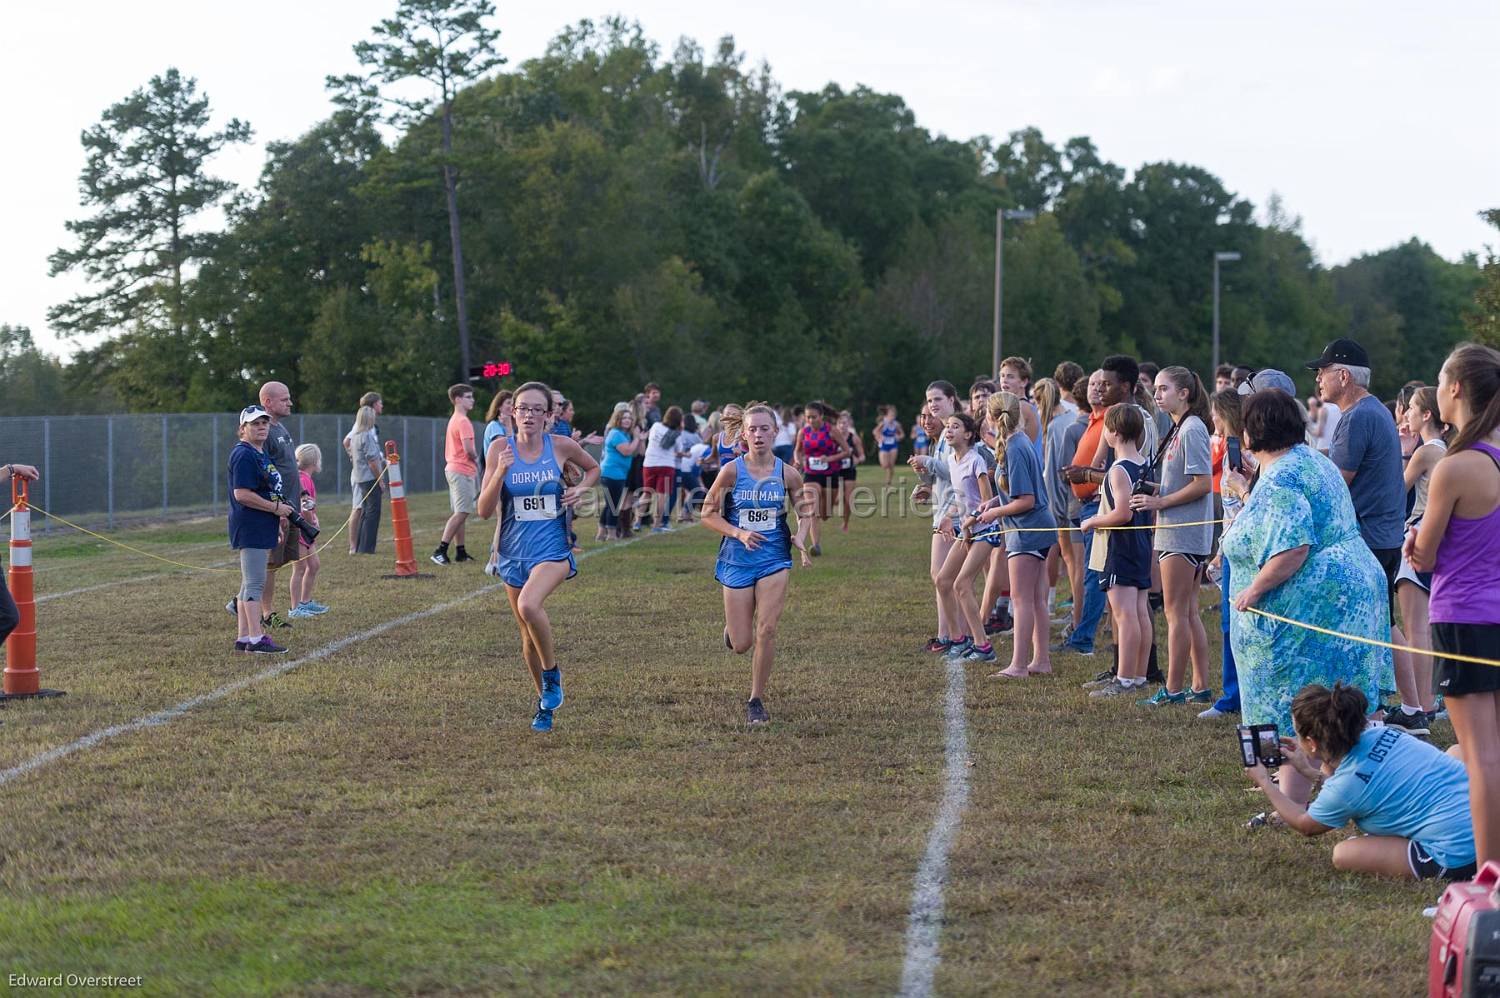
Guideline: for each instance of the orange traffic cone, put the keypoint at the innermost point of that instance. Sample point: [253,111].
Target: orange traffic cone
[21,677]
[406,565]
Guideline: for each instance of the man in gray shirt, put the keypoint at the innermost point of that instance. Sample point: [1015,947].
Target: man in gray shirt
[282,450]
[1367,450]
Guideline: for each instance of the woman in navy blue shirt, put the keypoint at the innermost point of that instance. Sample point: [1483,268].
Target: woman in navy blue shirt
[257,512]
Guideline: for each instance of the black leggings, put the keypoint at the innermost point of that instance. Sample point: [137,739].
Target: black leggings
[609,516]
[368,536]
[10,617]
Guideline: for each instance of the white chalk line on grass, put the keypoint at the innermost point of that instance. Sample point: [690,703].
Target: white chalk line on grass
[925,923]
[170,714]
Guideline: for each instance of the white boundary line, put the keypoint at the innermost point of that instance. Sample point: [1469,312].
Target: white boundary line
[925,922]
[171,714]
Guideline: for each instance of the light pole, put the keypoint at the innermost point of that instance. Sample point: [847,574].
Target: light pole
[1018,215]
[1220,257]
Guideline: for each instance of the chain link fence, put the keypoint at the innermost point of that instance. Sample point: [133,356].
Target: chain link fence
[108,468]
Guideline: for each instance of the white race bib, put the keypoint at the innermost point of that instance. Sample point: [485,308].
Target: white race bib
[817,464]
[762,521]
[542,507]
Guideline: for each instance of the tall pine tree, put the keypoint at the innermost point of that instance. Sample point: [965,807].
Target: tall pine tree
[146,178]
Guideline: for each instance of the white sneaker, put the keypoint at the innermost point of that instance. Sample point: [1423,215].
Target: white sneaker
[1211,713]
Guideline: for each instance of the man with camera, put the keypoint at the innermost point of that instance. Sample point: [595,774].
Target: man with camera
[276,399]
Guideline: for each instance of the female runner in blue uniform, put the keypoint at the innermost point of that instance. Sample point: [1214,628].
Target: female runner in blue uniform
[919,435]
[747,504]
[726,445]
[888,436]
[524,478]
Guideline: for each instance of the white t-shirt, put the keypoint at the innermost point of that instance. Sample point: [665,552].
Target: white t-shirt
[1331,417]
[786,435]
[688,458]
[965,474]
[658,455]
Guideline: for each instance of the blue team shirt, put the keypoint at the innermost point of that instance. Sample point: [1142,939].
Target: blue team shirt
[1022,476]
[532,526]
[759,506]
[1392,783]
[254,470]
[493,429]
[613,464]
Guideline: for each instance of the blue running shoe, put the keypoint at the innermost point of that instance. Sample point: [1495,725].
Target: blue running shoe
[959,648]
[314,607]
[299,612]
[552,691]
[979,653]
[542,719]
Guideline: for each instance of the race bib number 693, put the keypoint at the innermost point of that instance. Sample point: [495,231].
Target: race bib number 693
[762,521]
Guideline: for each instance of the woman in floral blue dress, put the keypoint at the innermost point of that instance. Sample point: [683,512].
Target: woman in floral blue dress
[1295,550]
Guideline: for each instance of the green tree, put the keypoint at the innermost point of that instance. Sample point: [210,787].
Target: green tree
[146,176]
[444,44]
[31,382]
[1484,321]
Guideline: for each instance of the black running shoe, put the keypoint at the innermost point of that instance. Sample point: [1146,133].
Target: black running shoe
[1000,623]
[755,712]
[464,556]
[440,557]
[1412,724]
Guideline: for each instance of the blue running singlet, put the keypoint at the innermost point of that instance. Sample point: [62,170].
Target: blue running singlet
[724,455]
[888,436]
[532,526]
[758,506]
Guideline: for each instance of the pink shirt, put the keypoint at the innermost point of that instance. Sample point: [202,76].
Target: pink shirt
[460,430]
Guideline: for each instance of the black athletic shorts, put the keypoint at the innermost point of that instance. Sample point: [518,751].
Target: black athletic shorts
[1390,563]
[1454,679]
[1424,867]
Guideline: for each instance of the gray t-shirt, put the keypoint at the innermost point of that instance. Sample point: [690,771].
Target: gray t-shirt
[1058,456]
[366,448]
[1072,436]
[283,453]
[1035,529]
[1366,443]
[1186,455]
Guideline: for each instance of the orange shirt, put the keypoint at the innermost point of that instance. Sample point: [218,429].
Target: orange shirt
[460,431]
[1216,450]
[1088,446]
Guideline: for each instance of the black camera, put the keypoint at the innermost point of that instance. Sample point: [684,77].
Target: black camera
[309,532]
[1260,743]
[1143,487]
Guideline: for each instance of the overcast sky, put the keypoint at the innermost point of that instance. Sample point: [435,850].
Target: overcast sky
[1375,120]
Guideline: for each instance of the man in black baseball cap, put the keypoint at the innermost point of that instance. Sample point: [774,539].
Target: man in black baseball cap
[1345,352]
[1367,450]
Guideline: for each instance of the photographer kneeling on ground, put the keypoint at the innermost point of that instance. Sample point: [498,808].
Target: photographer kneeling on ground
[1411,800]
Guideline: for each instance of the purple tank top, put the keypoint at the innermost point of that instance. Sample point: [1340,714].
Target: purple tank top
[1464,580]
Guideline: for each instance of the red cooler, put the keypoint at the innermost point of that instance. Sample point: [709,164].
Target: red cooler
[1465,956]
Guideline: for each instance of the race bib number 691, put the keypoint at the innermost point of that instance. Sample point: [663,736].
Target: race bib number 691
[543,507]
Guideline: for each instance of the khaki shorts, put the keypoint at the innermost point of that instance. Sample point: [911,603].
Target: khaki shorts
[463,492]
[288,550]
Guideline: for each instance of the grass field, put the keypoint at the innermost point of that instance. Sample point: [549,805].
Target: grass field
[382,819]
